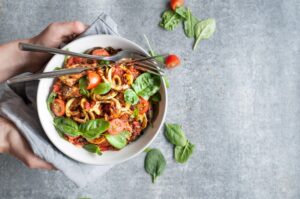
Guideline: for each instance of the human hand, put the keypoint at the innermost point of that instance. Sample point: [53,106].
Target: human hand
[53,36]
[13,143]
[15,61]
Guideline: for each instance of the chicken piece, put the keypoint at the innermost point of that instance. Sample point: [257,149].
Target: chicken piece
[69,92]
[70,80]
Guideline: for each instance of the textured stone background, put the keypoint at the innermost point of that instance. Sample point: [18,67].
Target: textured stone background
[237,97]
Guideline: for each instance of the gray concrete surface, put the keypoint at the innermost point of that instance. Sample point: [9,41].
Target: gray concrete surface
[237,97]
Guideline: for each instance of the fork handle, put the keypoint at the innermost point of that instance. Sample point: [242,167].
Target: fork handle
[44,49]
[37,76]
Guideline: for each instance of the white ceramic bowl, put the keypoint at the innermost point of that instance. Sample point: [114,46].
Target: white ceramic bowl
[77,153]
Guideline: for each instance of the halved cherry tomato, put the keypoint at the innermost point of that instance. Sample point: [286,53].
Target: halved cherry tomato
[56,87]
[100,52]
[172,61]
[75,60]
[176,3]
[94,79]
[143,105]
[116,126]
[88,105]
[58,107]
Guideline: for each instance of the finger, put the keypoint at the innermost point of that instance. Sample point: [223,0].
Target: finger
[22,151]
[67,29]
[35,162]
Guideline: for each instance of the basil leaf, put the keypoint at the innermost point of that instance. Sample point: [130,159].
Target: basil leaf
[66,126]
[189,24]
[155,163]
[103,62]
[102,88]
[93,128]
[166,81]
[170,20]
[135,113]
[182,153]
[50,99]
[58,68]
[119,141]
[93,148]
[175,135]
[204,30]
[130,97]
[146,150]
[146,85]
[82,87]
[182,11]
[156,97]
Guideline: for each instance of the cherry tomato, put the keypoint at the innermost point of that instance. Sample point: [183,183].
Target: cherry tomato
[100,52]
[56,87]
[75,60]
[143,105]
[176,3]
[94,79]
[58,107]
[116,126]
[172,61]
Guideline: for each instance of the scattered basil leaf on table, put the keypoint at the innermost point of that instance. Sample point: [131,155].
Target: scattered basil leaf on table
[170,20]
[204,30]
[93,148]
[175,134]
[131,97]
[155,163]
[182,153]
[182,11]
[82,87]
[93,128]
[119,141]
[189,24]
[102,88]
[50,99]
[66,126]
[146,85]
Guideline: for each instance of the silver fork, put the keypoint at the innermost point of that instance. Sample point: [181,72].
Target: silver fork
[143,63]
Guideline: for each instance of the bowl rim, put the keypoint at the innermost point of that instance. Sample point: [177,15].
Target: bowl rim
[74,157]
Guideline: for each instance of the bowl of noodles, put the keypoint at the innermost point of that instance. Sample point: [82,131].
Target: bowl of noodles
[106,114]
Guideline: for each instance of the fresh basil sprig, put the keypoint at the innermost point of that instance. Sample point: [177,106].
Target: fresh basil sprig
[119,141]
[183,147]
[155,163]
[170,20]
[131,97]
[93,148]
[193,28]
[175,135]
[102,88]
[182,153]
[204,30]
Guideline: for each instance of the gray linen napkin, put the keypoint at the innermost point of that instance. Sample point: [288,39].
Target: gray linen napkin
[18,104]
